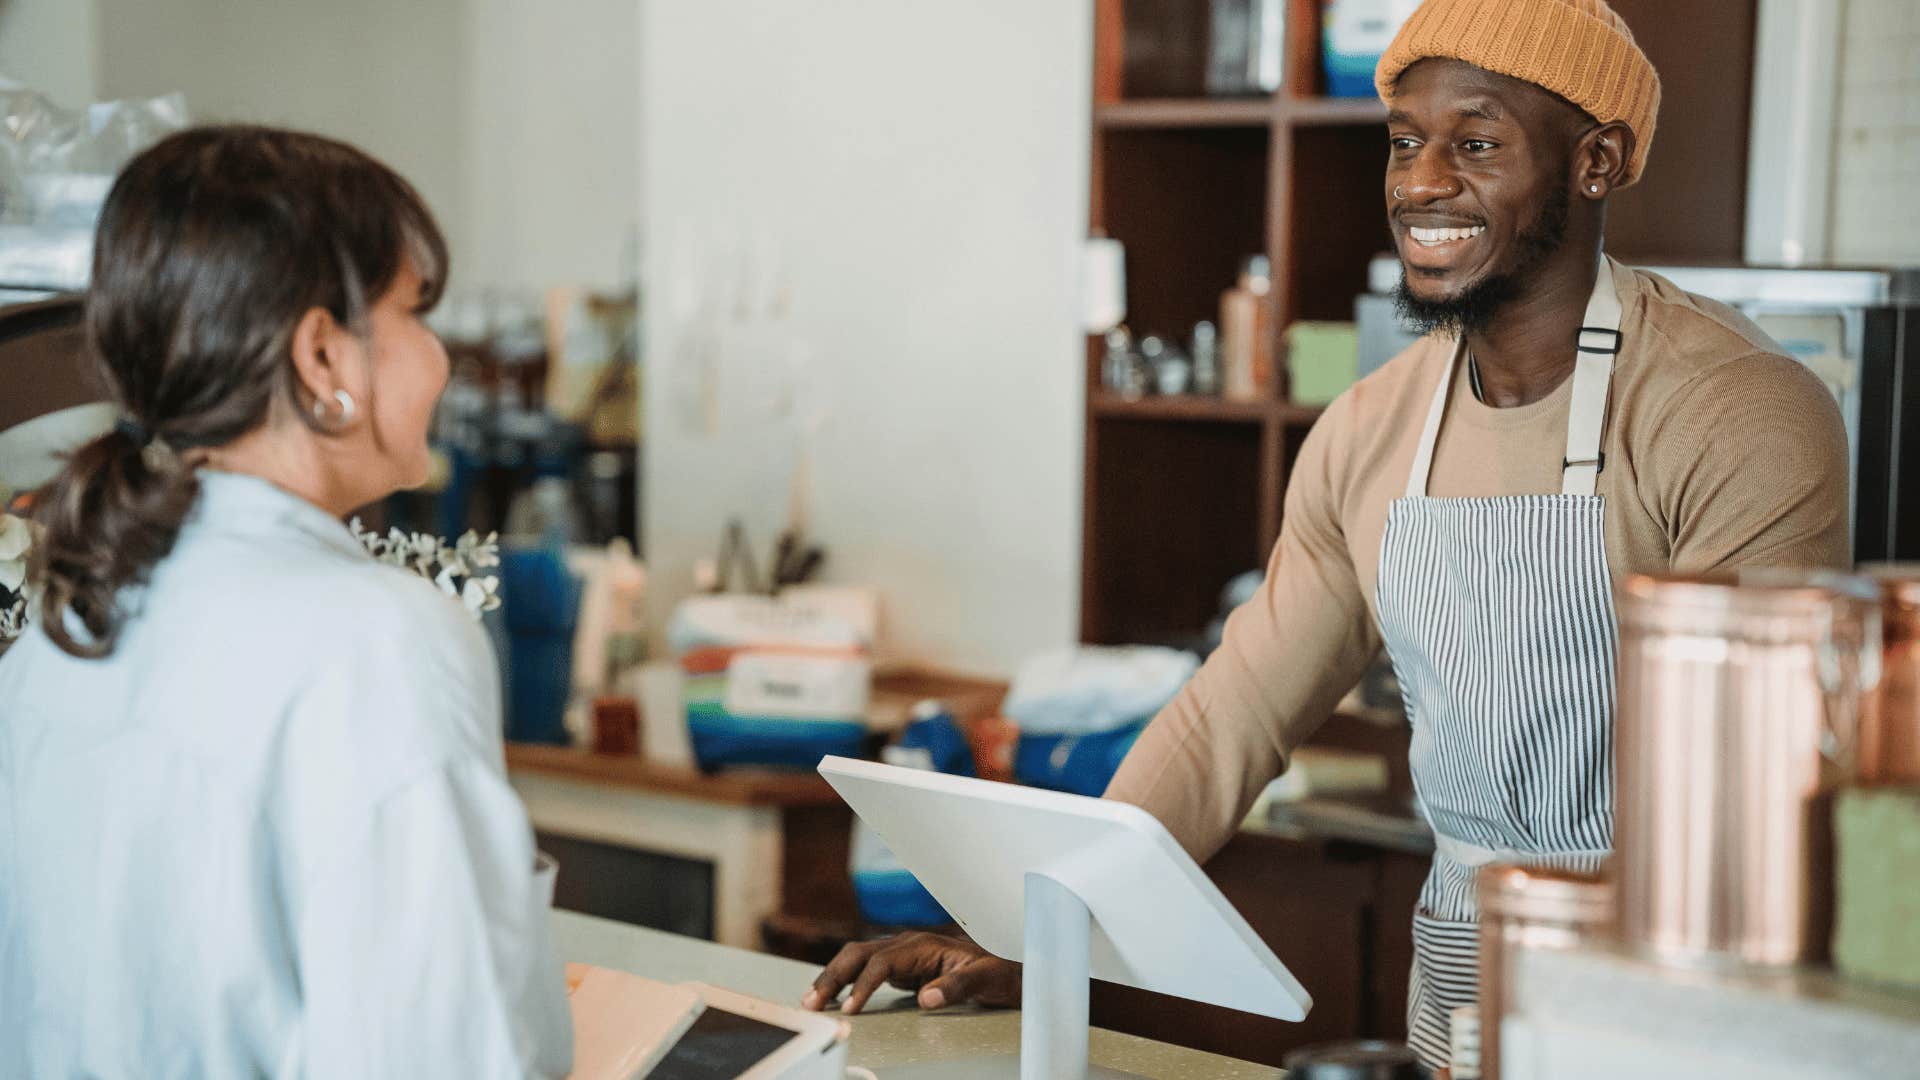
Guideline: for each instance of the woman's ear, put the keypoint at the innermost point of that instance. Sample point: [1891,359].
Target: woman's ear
[1601,160]
[311,352]
[326,363]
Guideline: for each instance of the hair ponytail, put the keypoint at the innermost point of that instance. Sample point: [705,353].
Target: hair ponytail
[110,516]
[212,245]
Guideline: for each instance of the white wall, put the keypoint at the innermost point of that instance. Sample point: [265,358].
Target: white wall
[384,76]
[552,162]
[1835,151]
[1877,134]
[515,120]
[912,179]
[50,46]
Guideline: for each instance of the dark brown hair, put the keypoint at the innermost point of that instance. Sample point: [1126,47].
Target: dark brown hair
[212,246]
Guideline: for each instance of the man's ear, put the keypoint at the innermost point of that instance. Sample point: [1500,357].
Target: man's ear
[1601,159]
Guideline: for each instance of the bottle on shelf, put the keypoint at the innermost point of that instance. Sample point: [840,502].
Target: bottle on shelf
[1246,332]
[1124,371]
[1206,358]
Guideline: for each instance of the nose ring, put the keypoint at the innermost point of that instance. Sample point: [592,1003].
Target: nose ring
[1397,195]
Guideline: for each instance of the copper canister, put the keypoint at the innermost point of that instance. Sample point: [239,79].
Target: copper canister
[1738,708]
[1529,908]
[1889,745]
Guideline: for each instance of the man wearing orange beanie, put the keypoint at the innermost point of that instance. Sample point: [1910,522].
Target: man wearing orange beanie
[1465,508]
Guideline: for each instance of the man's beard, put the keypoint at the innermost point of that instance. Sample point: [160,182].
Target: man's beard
[1474,309]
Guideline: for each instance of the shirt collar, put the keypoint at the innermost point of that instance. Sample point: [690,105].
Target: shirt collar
[237,504]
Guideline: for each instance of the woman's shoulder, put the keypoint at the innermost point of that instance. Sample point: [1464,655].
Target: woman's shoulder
[311,592]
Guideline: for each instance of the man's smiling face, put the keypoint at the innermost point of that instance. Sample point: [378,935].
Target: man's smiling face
[1482,164]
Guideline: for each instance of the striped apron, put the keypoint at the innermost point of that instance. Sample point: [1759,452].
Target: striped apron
[1498,616]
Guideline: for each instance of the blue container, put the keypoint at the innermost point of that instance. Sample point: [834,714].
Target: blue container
[1080,764]
[721,739]
[888,893]
[541,601]
[1354,35]
[1350,76]
[896,898]
[934,730]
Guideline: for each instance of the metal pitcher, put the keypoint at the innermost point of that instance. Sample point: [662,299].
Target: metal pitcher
[1889,744]
[1529,908]
[1738,709]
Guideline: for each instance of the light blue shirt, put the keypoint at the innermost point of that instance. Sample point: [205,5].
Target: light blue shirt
[271,834]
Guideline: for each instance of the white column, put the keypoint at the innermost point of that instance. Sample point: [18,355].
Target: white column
[1053,996]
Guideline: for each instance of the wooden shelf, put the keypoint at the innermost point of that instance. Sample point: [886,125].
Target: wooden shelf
[1294,415]
[738,787]
[1185,113]
[1332,112]
[1195,407]
[1182,407]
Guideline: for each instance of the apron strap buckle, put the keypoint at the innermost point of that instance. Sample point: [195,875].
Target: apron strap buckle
[1611,339]
[1599,463]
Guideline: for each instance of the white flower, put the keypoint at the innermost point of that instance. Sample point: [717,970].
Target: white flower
[479,596]
[16,536]
[451,567]
[477,553]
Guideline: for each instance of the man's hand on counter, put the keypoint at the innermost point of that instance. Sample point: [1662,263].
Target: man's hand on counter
[942,970]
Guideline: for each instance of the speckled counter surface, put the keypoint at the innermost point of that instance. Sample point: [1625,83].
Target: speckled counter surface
[894,1036]
[1601,1012]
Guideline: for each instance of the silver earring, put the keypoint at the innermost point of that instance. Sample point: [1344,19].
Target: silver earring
[1397,195]
[341,398]
[1595,188]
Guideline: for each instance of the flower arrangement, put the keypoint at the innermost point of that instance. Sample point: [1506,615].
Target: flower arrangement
[16,539]
[455,568]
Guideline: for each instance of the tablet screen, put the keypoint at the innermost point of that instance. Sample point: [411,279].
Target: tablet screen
[720,1046]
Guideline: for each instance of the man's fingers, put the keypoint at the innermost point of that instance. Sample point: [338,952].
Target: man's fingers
[987,980]
[870,979]
[836,975]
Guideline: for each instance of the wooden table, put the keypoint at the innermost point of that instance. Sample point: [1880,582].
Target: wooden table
[778,841]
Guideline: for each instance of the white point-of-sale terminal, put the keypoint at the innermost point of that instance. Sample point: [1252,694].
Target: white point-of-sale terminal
[1074,888]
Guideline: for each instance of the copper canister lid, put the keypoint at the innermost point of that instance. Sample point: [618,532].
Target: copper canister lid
[1899,585]
[1541,895]
[1765,606]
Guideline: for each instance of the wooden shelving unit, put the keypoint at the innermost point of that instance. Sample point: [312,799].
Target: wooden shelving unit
[1184,113]
[1183,493]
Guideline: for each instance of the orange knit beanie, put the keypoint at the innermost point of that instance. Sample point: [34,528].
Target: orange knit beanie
[1579,49]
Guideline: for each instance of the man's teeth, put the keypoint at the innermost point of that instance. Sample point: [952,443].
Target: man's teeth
[1442,236]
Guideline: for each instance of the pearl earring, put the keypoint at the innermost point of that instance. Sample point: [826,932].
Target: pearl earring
[1595,188]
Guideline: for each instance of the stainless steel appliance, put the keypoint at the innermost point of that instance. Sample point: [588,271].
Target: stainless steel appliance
[1858,329]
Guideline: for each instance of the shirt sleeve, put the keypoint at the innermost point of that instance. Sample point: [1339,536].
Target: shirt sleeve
[1751,469]
[427,952]
[1287,658]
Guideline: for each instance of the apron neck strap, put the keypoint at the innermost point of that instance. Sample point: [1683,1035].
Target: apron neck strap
[1597,343]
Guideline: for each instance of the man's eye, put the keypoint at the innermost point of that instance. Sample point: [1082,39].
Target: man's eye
[1403,142]
[1476,146]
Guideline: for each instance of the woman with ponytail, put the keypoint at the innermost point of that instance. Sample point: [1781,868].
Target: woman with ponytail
[253,814]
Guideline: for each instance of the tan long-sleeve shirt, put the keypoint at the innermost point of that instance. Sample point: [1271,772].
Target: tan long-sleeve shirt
[1720,453]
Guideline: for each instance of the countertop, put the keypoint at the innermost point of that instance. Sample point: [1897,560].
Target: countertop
[893,1033]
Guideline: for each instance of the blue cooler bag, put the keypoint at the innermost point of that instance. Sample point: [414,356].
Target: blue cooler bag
[1080,710]
[1081,764]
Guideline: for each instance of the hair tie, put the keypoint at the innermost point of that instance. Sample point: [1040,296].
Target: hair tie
[133,430]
